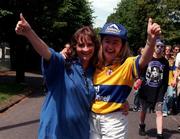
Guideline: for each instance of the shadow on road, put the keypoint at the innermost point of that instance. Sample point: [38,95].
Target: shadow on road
[18,125]
[167,133]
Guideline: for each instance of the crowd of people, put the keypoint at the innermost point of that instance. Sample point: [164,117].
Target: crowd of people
[171,100]
[88,82]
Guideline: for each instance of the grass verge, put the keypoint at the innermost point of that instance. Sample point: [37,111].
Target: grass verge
[7,90]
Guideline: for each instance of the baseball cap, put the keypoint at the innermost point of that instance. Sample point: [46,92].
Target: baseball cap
[159,42]
[114,30]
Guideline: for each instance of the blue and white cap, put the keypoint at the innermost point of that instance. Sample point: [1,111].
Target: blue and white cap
[114,30]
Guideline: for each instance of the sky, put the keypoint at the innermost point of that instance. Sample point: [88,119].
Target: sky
[102,9]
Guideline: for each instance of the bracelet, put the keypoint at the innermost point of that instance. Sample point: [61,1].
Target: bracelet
[147,42]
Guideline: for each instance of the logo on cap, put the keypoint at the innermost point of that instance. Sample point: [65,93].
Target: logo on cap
[113,29]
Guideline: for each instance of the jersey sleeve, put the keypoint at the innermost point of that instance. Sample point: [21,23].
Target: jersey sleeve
[135,68]
[53,68]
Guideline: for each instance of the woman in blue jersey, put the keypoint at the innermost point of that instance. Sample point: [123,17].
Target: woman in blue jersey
[65,112]
[114,78]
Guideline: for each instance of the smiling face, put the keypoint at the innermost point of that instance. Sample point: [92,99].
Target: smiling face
[85,46]
[85,50]
[167,50]
[111,48]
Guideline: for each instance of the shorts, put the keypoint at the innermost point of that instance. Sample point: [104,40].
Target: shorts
[145,105]
[108,126]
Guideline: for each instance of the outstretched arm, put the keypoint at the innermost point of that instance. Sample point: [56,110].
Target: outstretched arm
[153,31]
[23,28]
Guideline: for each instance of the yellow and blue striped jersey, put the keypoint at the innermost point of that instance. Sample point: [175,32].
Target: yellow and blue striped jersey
[113,85]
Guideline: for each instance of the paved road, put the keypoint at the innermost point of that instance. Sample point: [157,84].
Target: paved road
[170,125]
[21,121]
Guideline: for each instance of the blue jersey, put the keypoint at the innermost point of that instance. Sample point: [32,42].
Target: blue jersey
[65,112]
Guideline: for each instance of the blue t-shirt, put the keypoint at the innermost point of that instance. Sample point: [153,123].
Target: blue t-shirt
[65,112]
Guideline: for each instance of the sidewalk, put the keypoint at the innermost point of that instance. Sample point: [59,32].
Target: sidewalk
[30,80]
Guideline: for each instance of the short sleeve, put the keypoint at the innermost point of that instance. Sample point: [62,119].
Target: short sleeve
[54,67]
[135,68]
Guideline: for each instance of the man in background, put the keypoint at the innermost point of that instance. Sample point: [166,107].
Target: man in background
[153,88]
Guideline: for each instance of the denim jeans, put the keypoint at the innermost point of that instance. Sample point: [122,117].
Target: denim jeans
[168,99]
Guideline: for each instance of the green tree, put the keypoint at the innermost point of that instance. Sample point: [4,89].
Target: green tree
[54,21]
[134,14]
[72,15]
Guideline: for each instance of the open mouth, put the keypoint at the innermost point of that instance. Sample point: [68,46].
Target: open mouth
[110,51]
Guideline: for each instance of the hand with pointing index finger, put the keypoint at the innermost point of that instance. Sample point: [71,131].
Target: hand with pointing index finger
[22,27]
[153,30]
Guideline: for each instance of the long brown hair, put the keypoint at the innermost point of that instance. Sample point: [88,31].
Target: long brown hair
[82,34]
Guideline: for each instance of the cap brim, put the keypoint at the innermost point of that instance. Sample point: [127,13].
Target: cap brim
[112,34]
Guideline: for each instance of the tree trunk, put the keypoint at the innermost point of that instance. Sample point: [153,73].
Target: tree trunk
[20,58]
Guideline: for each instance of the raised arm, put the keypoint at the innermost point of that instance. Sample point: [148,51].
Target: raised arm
[23,28]
[153,31]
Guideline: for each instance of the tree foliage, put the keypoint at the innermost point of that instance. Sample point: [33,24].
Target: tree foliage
[71,15]
[53,20]
[134,14]
[4,13]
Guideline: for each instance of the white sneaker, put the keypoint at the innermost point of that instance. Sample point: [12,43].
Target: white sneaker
[165,115]
[169,112]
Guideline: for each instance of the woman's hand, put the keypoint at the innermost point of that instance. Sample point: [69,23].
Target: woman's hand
[67,51]
[22,27]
